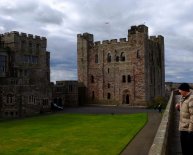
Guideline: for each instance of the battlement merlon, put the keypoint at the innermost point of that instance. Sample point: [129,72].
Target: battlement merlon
[122,40]
[159,38]
[97,43]
[87,36]
[105,42]
[24,35]
[138,29]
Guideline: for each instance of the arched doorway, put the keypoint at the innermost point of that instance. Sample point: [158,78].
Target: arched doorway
[125,99]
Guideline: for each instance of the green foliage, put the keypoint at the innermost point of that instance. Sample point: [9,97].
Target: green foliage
[158,100]
[70,134]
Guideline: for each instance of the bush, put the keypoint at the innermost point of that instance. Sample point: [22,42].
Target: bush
[158,100]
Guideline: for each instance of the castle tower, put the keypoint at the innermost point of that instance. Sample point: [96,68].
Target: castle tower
[24,75]
[84,44]
[128,71]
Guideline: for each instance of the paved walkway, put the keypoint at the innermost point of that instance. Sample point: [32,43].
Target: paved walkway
[142,142]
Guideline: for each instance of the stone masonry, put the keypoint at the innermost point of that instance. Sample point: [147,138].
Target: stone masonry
[24,75]
[129,71]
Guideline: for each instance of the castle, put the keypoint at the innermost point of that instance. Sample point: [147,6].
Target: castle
[24,75]
[129,71]
[25,87]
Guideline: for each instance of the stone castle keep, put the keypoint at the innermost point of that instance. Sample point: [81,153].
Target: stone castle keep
[24,75]
[25,87]
[129,71]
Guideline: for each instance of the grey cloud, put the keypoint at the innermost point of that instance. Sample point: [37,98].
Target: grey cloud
[47,15]
[22,8]
[109,19]
[8,24]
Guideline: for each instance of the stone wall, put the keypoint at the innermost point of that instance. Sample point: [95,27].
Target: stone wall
[128,71]
[24,75]
[159,146]
[65,93]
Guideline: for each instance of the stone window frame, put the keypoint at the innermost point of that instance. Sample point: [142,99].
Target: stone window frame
[123,78]
[122,56]
[31,99]
[93,95]
[3,63]
[108,96]
[116,58]
[45,102]
[70,88]
[92,79]
[128,78]
[10,98]
[109,57]
[108,70]
[138,54]
[96,58]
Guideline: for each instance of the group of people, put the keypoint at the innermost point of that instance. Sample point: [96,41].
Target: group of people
[185,107]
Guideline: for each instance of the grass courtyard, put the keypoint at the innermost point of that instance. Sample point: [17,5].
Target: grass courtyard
[70,134]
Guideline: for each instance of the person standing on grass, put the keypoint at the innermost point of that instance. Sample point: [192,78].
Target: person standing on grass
[186,118]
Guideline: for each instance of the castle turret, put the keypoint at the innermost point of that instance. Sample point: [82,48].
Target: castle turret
[84,43]
[138,29]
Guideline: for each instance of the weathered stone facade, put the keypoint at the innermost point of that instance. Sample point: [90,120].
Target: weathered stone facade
[24,75]
[65,93]
[129,71]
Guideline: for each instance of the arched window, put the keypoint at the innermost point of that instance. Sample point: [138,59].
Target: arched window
[123,78]
[128,78]
[122,56]
[96,58]
[92,79]
[109,57]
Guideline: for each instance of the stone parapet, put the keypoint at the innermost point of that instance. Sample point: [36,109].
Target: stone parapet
[159,146]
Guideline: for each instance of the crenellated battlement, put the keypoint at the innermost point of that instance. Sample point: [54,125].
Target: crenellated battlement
[122,40]
[105,42]
[138,29]
[89,37]
[132,31]
[112,41]
[23,35]
[97,43]
[128,70]
[156,38]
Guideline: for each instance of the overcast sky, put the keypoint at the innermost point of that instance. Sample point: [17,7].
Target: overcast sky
[61,20]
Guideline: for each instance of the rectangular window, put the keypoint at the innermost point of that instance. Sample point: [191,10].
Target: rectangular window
[108,96]
[70,88]
[3,63]
[123,79]
[129,78]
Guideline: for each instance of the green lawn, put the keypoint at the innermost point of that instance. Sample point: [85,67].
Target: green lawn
[69,134]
